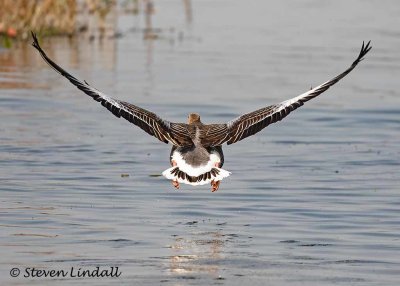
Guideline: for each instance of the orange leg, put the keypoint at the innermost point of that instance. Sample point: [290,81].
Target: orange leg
[175,183]
[215,185]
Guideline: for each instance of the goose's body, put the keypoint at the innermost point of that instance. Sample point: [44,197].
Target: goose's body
[196,155]
[196,165]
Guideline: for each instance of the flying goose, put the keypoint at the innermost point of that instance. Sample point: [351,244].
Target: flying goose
[196,156]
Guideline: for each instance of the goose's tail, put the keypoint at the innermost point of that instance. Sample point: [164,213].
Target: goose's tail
[215,174]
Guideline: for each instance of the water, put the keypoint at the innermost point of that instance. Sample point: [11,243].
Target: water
[312,200]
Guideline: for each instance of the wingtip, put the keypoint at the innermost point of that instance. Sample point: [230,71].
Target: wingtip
[365,48]
[35,40]
[368,47]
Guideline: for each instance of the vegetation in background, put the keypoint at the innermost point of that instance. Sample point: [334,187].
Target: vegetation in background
[95,18]
[53,17]
[48,17]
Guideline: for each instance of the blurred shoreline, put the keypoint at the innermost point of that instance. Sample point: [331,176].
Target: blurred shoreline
[96,18]
[91,18]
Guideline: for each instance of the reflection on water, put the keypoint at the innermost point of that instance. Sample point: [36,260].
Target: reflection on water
[79,54]
[11,64]
[199,253]
[149,52]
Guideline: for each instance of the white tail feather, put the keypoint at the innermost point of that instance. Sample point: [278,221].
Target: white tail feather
[221,175]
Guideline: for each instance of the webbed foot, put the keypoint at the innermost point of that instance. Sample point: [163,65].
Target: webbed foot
[215,185]
[175,184]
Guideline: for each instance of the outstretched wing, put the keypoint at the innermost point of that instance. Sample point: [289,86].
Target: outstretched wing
[253,122]
[163,130]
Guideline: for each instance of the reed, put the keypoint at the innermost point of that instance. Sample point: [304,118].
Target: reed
[47,17]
